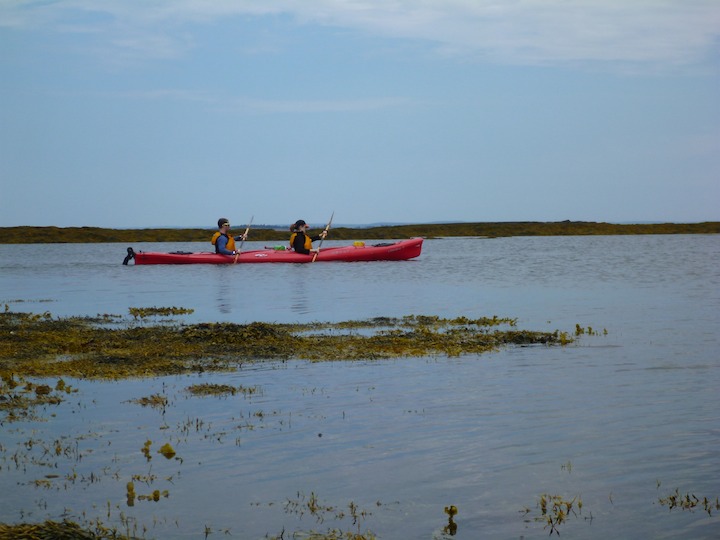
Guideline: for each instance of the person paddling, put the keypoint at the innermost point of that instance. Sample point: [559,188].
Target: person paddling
[223,241]
[299,239]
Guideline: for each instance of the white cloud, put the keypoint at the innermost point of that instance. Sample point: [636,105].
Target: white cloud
[671,32]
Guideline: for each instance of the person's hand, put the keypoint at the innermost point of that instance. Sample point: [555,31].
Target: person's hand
[323,234]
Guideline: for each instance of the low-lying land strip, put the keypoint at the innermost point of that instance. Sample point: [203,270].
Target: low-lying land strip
[32,235]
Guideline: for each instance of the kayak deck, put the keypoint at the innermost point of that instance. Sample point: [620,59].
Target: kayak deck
[396,251]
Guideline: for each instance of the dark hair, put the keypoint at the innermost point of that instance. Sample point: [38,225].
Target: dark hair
[295,226]
[221,222]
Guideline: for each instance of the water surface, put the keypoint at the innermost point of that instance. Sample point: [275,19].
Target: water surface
[619,420]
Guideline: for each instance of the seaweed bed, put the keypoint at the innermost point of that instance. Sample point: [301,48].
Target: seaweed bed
[110,347]
[36,351]
[34,347]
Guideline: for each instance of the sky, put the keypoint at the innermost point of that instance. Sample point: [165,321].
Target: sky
[173,113]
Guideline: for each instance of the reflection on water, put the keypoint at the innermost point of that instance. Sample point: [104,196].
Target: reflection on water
[299,303]
[222,286]
[618,420]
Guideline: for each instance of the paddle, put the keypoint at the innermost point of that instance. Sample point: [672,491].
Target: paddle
[247,230]
[327,228]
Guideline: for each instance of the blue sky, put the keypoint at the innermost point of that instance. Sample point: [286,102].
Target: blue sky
[129,113]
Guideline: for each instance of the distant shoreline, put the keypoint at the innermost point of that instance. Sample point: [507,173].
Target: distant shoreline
[64,235]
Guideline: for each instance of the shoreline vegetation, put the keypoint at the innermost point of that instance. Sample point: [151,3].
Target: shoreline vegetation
[61,235]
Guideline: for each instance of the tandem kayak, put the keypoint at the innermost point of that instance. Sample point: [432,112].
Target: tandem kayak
[358,251]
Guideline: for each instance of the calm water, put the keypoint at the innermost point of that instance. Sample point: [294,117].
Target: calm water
[619,420]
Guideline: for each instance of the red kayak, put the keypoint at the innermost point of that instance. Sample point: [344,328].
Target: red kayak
[358,251]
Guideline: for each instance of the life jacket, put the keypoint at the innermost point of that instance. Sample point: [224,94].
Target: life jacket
[308,241]
[230,243]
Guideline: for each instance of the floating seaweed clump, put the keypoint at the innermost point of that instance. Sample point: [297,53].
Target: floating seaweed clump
[451,527]
[146,450]
[142,313]
[555,510]
[210,389]
[20,398]
[690,502]
[322,512]
[155,400]
[167,450]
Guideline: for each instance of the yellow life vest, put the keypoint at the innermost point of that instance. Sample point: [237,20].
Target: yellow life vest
[230,243]
[308,241]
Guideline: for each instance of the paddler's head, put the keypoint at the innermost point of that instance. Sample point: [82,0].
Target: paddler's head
[299,225]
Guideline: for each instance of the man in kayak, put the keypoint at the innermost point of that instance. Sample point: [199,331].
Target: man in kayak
[300,241]
[222,240]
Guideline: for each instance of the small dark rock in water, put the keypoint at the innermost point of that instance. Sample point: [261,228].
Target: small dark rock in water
[319,434]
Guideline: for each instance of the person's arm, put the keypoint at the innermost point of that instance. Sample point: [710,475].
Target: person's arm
[221,243]
[320,236]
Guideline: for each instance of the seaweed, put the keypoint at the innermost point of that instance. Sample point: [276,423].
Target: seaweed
[43,346]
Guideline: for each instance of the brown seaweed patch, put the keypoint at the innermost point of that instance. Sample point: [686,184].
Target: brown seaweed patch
[156,401]
[143,313]
[154,496]
[555,510]
[351,515]
[689,502]
[167,451]
[19,398]
[210,389]
[42,346]
[59,529]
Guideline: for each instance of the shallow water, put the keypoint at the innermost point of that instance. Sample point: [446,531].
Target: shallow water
[619,420]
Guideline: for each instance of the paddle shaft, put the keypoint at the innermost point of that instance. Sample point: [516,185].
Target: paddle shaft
[247,230]
[327,228]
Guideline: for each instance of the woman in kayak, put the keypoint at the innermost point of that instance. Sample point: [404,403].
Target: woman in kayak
[300,241]
[222,240]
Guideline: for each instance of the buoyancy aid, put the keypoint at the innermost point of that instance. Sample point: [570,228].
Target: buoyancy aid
[230,243]
[308,241]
